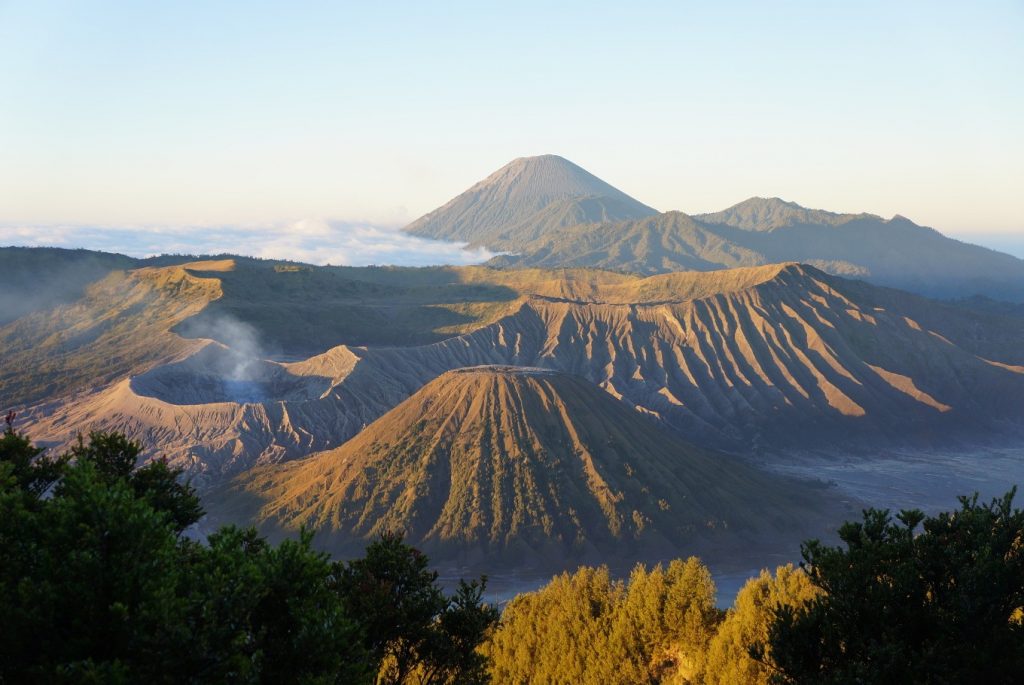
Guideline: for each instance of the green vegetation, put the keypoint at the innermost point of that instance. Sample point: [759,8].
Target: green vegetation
[913,600]
[416,633]
[943,604]
[588,628]
[660,626]
[99,584]
[747,623]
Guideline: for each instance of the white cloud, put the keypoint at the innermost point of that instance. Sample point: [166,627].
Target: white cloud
[313,241]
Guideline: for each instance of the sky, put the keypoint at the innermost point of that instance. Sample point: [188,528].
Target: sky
[153,126]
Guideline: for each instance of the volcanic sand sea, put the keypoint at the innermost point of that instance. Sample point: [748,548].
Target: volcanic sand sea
[894,479]
[899,479]
[926,480]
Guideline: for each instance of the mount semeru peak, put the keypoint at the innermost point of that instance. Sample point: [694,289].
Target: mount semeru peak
[525,198]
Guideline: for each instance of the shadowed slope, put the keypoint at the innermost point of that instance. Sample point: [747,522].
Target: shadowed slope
[33,279]
[657,244]
[523,462]
[120,326]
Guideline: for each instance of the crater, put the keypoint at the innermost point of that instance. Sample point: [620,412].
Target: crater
[508,370]
[217,374]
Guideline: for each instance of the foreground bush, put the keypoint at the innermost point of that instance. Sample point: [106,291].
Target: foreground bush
[747,623]
[912,600]
[99,584]
[589,629]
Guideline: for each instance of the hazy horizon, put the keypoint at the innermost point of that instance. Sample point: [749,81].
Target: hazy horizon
[317,241]
[124,114]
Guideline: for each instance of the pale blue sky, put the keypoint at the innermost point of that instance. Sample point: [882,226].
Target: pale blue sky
[245,113]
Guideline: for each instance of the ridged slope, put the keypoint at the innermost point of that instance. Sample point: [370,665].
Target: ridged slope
[518,462]
[760,359]
[799,359]
[527,195]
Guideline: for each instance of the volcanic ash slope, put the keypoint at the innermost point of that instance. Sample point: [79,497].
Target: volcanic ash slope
[757,361]
[520,463]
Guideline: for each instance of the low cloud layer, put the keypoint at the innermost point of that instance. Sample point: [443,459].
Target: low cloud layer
[310,241]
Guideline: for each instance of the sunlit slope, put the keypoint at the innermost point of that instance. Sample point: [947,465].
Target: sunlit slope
[779,356]
[517,461]
[293,310]
[752,360]
[130,319]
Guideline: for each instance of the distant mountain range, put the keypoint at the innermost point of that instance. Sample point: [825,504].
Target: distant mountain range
[547,212]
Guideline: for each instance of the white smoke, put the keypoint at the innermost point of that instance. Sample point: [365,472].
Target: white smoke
[243,341]
[238,372]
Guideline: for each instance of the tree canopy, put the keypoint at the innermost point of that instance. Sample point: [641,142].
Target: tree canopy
[99,583]
[747,623]
[910,599]
[589,628]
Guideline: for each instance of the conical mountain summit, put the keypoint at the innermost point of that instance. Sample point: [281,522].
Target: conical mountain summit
[546,191]
[528,463]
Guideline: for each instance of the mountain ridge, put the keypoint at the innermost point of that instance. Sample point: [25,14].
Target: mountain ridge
[560,230]
[759,360]
[768,213]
